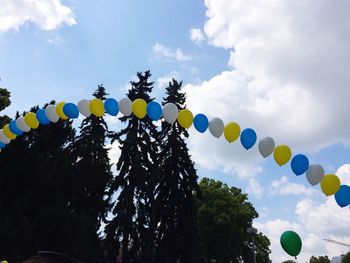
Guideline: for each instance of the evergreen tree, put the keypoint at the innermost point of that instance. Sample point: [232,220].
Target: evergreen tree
[132,230]
[174,195]
[92,175]
[4,103]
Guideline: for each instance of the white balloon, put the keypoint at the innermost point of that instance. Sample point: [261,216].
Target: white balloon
[21,124]
[170,112]
[84,107]
[3,138]
[315,174]
[266,146]
[216,127]
[125,106]
[51,114]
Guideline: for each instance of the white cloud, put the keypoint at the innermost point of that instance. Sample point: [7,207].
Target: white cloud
[47,15]
[163,81]
[169,54]
[114,154]
[197,35]
[289,76]
[255,188]
[282,186]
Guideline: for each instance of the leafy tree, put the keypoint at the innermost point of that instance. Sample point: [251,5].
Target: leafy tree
[4,103]
[289,261]
[224,215]
[320,259]
[346,259]
[133,227]
[178,179]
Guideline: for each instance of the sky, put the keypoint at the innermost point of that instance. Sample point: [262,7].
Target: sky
[279,67]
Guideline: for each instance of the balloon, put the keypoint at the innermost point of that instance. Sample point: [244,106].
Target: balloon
[111,107]
[154,111]
[139,107]
[84,107]
[282,154]
[31,120]
[315,174]
[59,110]
[8,132]
[4,139]
[342,197]
[2,145]
[201,122]
[71,110]
[216,127]
[185,118]
[125,106]
[51,114]
[299,164]
[14,129]
[21,124]
[96,107]
[232,131]
[291,243]
[266,146]
[42,118]
[330,184]
[248,138]
[170,112]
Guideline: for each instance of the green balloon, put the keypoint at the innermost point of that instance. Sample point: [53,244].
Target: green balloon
[291,243]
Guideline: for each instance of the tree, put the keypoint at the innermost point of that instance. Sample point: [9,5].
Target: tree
[346,259]
[224,215]
[132,230]
[92,175]
[289,261]
[4,103]
[178,179]
[320,259]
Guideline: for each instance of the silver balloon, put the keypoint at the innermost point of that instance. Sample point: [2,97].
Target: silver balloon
[125,106]
[3,138]
[170,112]
[84,107]
[21,124]
[216,127]
[315,174]
[266,146]
[51,113]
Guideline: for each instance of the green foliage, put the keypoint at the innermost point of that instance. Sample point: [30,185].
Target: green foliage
[224,215]
[289,261]
[178,179]
[320,259]
[4,103]
[346,259]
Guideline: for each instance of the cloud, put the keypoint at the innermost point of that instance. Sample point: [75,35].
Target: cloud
[162,82]
[255,188]
[47,15]
[288,72]
[167,53]
[284,187]
[197,35]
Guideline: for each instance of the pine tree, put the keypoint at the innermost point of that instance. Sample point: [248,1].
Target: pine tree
[92,174]
[4,103]
[177,211]
[132,230]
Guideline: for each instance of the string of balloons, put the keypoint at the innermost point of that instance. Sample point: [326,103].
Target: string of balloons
[282,154]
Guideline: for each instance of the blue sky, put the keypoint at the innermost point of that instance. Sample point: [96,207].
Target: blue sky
[262,64]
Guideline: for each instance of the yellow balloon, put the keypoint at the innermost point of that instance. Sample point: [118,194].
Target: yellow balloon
[59,110]
[8,133]
[4,261]
[232,131]
[282,154]
[185,118]
[139,108]
[330,184]
[97,107]
[31,120]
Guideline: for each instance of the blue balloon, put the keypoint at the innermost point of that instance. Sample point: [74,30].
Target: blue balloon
[14,129]
[248,138]
[342,197]
[154,111]
[2,145]
[300,164]
[111,107]
[71,110]
[42,118]
[201,122]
